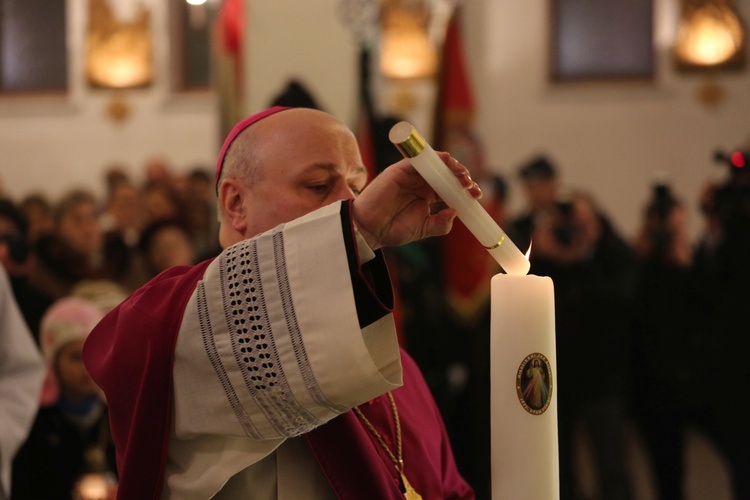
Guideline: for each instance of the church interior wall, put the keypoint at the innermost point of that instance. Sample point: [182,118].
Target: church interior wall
[610,138]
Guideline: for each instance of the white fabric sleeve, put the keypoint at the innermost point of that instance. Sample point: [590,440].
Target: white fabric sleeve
[271,347]
[21,375]
[364,252]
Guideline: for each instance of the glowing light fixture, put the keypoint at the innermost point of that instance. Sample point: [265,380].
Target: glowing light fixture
[118,53]
[710,34]
[406,50]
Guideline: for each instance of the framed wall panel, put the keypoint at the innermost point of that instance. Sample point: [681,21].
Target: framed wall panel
[601,40]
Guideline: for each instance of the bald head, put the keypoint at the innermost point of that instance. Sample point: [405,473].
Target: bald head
[284,166]
[267,129]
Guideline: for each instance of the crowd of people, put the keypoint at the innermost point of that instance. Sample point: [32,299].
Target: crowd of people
[649,330]
[70,261]
[646,329]
[136,231]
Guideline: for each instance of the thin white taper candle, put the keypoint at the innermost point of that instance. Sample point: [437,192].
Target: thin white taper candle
[437,174]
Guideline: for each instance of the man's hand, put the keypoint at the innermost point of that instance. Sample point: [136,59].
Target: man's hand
[394,209]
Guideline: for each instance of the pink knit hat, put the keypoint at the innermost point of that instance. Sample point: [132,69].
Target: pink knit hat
[236,131]
[68,319]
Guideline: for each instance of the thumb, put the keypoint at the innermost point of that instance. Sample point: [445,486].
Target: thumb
[441,223]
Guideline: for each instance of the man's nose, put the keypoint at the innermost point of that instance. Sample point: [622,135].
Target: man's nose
[344,192]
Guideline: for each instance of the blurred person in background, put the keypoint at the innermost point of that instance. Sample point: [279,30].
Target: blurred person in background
[104,294]
[157,169]
[165,244]
[21,376]
[124,218]
[592,268]
[38,212]
[16,256]
[539,183]
[114,175]
[667,347]
[722,267]
[70,438]
[124,212]
[161,202]
[201,217]
[75,251]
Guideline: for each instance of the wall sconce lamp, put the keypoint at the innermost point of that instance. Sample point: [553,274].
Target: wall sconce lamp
[710,37]
[406,50]
[118,54]
[710,34]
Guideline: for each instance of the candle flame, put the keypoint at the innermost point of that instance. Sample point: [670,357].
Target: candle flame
[528,252]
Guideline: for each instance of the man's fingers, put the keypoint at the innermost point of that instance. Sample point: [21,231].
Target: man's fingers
[462,174]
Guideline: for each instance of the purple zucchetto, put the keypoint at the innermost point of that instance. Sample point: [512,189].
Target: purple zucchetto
[237,130]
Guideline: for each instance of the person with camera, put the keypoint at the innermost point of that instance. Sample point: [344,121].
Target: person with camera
[722,274]
[666,343]
[591,267]
[539,183]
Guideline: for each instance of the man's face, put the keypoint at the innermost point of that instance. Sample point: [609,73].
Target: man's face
[171,246]
[541,193]
[125,207]
[307,160]
[8,229]
[79,227]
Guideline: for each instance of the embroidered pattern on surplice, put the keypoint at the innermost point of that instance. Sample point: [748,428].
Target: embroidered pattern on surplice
[295,334]
[253,342]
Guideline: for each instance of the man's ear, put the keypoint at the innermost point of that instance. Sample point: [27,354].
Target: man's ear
[232,200]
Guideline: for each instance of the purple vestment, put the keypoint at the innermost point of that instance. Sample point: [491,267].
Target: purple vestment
[130,354]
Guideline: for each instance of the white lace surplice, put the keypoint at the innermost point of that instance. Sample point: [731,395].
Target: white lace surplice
[269,348]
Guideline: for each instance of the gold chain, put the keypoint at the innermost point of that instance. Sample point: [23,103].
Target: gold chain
[398,460]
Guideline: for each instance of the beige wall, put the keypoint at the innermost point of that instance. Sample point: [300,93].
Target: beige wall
[51,144]
[303,40]
[609,138]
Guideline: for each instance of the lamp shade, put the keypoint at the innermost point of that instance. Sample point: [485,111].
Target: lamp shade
[708,35]
[406,50]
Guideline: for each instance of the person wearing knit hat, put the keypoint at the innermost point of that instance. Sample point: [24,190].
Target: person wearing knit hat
[70,436]
[68,320]
[105,294]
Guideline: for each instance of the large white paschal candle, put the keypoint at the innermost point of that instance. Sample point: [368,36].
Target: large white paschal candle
[523,389]
[437,174]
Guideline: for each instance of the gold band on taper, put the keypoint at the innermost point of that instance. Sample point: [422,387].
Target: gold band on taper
[497,244]
[413,145]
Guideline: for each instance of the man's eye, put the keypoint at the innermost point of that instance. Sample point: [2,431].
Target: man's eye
[355,190]
[319,188]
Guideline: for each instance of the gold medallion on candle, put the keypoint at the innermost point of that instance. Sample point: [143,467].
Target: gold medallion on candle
[534,383]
